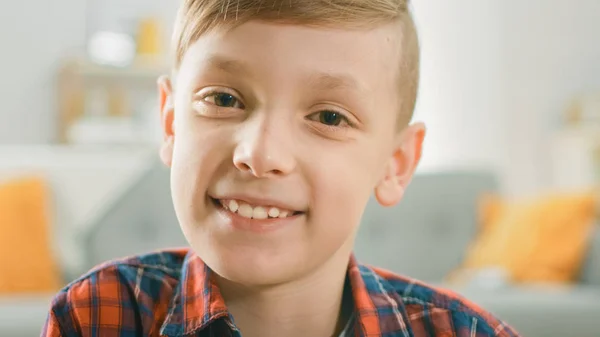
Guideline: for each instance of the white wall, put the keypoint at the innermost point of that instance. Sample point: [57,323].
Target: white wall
[551,53]
[461,95]
[33,36]
[497,75]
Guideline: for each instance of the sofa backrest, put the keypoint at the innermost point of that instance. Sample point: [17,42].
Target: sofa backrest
[425,236]
[141,220]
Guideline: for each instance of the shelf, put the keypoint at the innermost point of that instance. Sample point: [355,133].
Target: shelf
[84,86]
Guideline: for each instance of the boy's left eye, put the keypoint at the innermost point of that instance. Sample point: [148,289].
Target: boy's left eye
[330,118]
[224,100]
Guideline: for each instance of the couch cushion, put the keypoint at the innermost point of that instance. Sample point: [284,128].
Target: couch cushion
[544,239]
[27,262]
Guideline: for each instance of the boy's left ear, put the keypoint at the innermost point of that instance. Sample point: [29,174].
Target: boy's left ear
[401,166]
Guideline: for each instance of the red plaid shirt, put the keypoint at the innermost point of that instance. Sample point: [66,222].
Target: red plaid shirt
[171,294]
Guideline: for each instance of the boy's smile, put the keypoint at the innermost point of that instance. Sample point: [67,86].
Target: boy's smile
[256,215]
[256,210]
[277,136]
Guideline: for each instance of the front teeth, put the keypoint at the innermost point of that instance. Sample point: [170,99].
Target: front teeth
[233,206]
[258,212]
[245,210]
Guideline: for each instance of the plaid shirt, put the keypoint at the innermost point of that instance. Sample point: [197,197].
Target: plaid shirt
[171,294]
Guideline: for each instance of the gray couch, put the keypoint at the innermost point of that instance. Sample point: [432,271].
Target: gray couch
[424,237]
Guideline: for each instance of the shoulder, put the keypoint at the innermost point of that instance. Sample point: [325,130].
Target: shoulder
[431,308]
[131,291]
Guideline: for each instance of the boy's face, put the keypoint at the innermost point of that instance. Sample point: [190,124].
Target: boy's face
[298,125]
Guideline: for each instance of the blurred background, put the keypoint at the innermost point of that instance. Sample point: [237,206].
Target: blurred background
[503,209]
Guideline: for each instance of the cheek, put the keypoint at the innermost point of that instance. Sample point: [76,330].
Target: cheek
[341,188]
[198,152]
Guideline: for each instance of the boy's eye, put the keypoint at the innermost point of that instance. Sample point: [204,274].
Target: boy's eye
[330,118]
[224,100]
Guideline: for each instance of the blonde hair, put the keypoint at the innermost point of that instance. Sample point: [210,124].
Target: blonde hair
[197,17]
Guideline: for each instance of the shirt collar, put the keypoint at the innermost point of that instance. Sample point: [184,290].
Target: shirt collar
[197,301]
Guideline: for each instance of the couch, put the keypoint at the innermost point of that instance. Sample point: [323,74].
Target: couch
[424,237]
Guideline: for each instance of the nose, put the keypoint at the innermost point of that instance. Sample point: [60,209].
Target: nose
[262,149]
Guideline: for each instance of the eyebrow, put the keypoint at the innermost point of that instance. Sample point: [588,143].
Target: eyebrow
[319,81]
[330,81]
[231,66]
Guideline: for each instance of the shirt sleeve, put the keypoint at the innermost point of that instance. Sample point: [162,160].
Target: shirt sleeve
[59,322]
[52,327]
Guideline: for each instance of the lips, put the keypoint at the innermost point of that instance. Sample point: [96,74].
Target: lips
[253,211]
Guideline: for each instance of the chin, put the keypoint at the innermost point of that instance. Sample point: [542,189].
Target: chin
[252,266]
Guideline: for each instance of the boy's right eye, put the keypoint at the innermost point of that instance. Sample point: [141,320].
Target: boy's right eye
[223,100]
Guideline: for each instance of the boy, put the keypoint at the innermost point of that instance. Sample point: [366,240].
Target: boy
[280,120]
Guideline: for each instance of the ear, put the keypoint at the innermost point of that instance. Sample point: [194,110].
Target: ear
[167,115]
[401,166]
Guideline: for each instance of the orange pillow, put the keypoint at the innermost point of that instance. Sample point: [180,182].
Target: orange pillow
[539,241]
[27,264]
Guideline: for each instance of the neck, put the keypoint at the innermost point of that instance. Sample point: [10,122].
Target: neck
[312,306]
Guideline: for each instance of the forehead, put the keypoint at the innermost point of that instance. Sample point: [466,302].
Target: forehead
[284,52]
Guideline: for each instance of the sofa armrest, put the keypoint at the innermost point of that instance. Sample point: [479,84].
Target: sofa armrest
[590,273]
